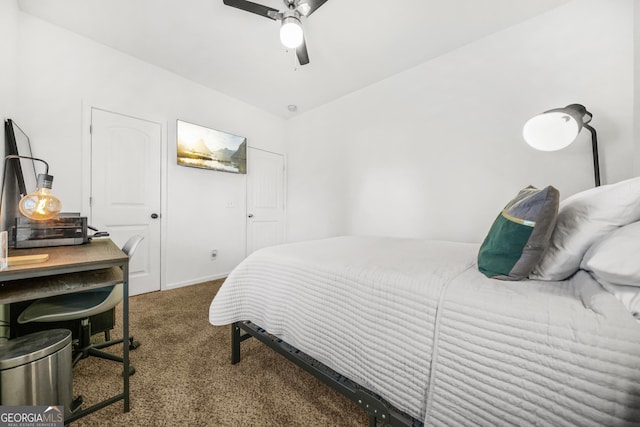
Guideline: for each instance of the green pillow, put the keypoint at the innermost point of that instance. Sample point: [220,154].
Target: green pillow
[520,234]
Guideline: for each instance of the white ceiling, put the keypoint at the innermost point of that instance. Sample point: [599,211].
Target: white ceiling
[351,43]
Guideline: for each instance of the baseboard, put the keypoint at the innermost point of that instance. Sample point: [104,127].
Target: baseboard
[196,281]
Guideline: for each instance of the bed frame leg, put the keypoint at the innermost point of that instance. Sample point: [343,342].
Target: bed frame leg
[372,421]
[235,343]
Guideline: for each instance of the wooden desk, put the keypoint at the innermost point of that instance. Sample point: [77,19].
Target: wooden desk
[72,269]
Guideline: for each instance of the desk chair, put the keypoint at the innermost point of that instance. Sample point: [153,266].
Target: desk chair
[80,307]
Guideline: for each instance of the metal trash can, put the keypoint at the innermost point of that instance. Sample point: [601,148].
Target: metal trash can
[35,370]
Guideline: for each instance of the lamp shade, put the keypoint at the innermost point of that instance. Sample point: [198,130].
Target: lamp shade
[41,204]
[553,130]
[291,34]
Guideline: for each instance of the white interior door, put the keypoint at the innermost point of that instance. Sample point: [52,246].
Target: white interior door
[125,189]
[265,199]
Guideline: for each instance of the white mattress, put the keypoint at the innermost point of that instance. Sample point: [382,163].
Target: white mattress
[414,321]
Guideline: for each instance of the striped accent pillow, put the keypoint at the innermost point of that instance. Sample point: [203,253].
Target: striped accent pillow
[520,234]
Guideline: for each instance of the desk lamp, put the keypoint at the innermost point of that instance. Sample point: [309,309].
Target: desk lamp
[38,205]
[556,129]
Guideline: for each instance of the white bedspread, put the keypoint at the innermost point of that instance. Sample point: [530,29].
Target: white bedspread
[414,321]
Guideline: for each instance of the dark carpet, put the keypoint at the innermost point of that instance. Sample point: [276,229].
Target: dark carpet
[184,376]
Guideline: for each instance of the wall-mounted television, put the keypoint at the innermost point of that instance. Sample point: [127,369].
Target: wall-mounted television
[202,147]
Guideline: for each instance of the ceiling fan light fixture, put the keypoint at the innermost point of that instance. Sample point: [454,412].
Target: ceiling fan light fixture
[291,34]
[304,8]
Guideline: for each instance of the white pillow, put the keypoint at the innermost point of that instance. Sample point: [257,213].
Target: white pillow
[629,296]
[584,218]
[616,257]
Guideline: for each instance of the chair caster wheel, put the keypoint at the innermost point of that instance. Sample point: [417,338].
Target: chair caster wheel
[132,370]
[133,345]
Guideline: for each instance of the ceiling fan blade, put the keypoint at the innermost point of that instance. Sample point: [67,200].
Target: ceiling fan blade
[307,7]
[303,55]
[256,8]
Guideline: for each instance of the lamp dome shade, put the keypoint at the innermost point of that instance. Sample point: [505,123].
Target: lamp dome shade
[291,32]
[551,131]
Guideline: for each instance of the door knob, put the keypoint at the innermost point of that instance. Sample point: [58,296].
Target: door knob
[250,215]
[154,215]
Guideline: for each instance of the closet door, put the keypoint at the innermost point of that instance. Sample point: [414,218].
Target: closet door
[125,189]
[265,199]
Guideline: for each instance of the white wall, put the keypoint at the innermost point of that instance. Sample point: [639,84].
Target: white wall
[316,200]
[8,49]
[436,151]
[60,74]
[8,58]
[636,91]
[8,93]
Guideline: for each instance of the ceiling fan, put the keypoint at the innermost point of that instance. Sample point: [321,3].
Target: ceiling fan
[291,34]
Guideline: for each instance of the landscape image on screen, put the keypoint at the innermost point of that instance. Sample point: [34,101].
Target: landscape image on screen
[201,147]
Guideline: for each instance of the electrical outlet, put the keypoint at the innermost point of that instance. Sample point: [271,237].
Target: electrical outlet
[214,254]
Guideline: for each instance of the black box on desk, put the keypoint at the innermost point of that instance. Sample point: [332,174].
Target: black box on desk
[65,230]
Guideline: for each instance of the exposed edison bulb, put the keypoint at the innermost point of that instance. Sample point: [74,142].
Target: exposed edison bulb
[291,34]
[42,204]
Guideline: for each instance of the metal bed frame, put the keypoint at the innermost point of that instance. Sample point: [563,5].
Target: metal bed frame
[380,412]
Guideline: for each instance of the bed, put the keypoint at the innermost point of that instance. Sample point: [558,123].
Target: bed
[425,337]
